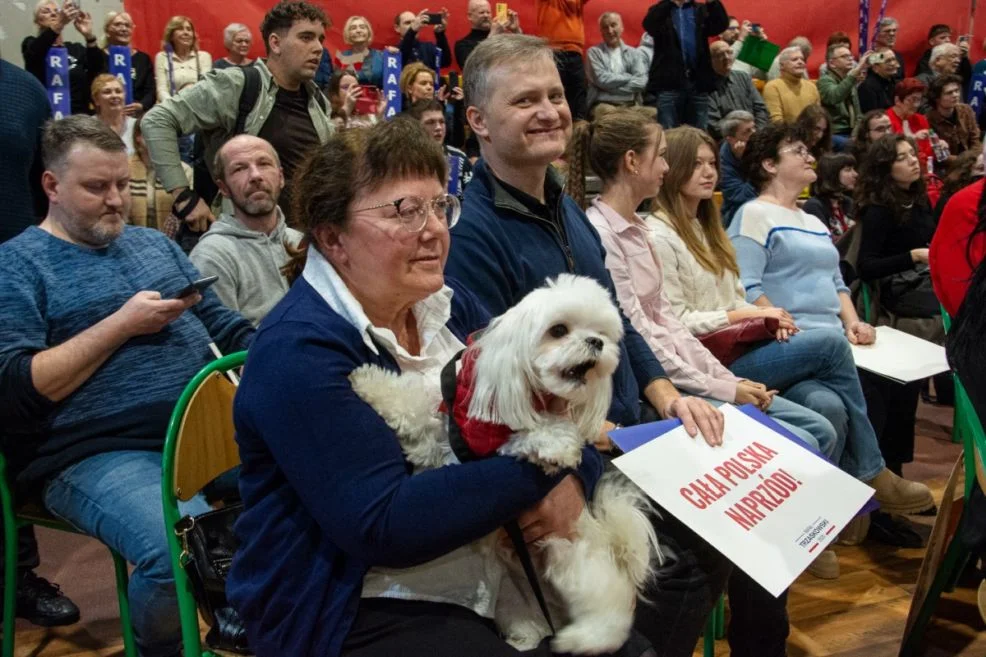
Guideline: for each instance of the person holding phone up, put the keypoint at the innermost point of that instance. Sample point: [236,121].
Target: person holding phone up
[85,62]
[941,34]
[408,24]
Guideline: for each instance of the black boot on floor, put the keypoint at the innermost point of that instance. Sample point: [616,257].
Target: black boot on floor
[42,602]
[890,530]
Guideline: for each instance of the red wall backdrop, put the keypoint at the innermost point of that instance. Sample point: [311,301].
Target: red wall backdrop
[815,19]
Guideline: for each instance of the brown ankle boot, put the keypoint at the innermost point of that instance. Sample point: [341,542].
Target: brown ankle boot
[897,495]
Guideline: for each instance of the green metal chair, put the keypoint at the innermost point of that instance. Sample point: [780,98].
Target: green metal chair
[199,447]
[867,307]
[715,628]
[13,519]
[956,555]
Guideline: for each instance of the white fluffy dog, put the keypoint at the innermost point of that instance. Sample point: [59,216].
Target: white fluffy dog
[542,371]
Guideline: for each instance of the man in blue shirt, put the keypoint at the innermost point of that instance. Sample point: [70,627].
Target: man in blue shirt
[681,74]
[95,349]
[22,115]
[518,228]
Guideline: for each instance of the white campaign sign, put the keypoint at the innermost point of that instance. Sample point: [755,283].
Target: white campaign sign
[899,356]
[769,505]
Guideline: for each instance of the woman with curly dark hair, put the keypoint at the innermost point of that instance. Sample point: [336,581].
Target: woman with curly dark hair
[897,227]
[814,128]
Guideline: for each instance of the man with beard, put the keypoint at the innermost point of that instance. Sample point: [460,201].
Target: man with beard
[247,247]
[480,17]
[96,346]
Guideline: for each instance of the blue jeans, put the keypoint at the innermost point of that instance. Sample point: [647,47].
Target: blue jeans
[684,105]
[116,498]
[816,369]
[810,427]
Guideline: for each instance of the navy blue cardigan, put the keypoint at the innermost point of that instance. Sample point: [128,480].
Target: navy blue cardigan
[326,490]
[501,251]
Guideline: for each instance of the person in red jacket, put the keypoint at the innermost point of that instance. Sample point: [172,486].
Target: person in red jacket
[959,245]
[905,119]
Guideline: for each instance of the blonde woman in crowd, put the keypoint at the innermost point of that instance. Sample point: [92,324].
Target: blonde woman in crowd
[109,102]
[180,61]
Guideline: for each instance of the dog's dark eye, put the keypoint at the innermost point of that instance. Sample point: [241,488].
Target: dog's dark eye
[558,331]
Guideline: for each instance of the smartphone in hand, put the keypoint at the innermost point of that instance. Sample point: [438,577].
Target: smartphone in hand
[198,286]
[368,101]
[435,19]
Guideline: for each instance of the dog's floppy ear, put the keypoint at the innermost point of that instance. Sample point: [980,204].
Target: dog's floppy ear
[503,390]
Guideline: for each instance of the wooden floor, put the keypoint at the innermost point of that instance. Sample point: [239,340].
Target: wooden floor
[861,614]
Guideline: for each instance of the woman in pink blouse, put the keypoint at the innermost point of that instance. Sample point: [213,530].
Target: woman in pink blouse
[625,147]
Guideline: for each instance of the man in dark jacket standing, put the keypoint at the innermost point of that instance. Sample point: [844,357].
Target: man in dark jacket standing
[681,74]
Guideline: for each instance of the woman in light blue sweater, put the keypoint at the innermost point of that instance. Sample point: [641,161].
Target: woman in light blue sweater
[787,260]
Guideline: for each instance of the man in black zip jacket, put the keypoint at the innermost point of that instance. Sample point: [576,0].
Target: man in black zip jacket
[518,227]
[681,73]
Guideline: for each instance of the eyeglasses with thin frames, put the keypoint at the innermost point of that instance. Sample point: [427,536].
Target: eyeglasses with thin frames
[801,151]
[412,211]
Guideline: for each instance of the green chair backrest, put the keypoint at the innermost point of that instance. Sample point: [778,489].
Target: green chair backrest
[974,437]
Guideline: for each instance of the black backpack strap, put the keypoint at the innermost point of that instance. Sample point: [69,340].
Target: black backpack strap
[464,454]
[248,98]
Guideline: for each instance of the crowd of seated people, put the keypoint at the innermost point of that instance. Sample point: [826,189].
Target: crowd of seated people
[343,237]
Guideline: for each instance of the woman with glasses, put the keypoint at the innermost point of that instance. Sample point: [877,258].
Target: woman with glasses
[787,259]
[905,119]
[810,362]
[342,550]
[118,28]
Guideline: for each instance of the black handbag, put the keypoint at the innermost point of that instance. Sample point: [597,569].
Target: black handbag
[208,545]
[909,293]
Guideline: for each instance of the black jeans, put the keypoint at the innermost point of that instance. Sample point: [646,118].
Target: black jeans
[687,587]
[571,68]
[412,628]
[892,408]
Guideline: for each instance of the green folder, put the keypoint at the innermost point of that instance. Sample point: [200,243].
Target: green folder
[758,53]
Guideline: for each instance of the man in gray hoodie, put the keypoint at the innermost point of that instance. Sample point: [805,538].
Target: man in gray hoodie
[246,249]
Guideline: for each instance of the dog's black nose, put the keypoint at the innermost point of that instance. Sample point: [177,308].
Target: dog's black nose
[595,343]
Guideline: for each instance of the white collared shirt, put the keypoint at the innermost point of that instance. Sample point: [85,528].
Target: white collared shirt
[468,576]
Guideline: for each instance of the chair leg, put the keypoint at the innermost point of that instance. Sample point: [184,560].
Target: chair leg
[720,617]
[188,611]
[9,572]
[123,598]
[709,638]
[954,557]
